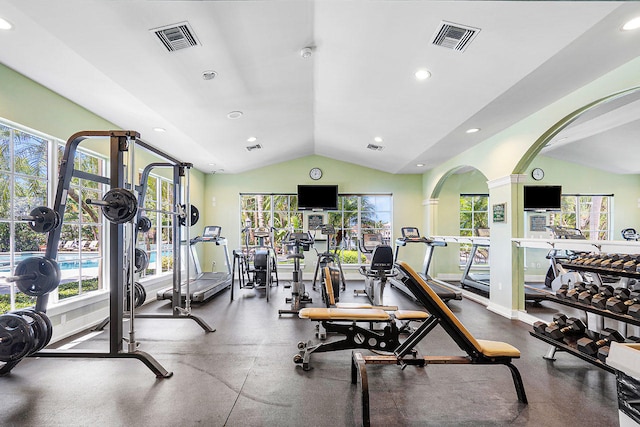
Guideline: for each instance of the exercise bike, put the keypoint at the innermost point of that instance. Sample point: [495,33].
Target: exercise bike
[379,269]
[297,244]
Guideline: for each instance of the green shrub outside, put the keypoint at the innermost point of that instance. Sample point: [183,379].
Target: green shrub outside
[65,290]
[351,257]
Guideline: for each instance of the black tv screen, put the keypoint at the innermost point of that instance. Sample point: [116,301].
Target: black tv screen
[542,197]
[319,197]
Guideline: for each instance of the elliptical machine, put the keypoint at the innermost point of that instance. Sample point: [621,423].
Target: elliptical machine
[297,244]
[260,264]
[331,260]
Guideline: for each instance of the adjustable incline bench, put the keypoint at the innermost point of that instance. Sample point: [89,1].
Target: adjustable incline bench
[346,319]
[479,352]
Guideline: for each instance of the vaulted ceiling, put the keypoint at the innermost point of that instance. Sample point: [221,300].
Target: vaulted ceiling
[358,84]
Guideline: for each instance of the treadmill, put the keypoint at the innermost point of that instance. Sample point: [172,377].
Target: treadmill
[478,281]
[412,235]
[204,285]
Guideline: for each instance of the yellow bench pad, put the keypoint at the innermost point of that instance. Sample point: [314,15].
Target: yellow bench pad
[319,313]
[498,349]
[351,305]
[410,315]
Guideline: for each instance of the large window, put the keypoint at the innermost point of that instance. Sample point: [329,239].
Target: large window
[81,238]
[474,216]
[356,214]
[588,213]
[158,241]
[24,160]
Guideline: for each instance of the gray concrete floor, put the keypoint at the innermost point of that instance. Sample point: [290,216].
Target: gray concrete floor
[243,375]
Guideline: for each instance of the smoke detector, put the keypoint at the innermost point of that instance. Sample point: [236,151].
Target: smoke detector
[375,147]
[306,52]
[254,147]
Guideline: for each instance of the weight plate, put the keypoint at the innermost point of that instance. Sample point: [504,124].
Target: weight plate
[122,205]
[16,337]
[195,216]
[141,260]
[144,224]
[45,219]
[37,275]
[39,327]
[49,326]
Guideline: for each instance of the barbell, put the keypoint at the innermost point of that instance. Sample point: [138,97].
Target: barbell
[120,205]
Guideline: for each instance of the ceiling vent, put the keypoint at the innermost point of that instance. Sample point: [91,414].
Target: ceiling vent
[454,36]
[375,147]
[177,36]
[254,147]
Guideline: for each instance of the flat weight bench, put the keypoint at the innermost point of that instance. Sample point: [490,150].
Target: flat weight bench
[479,352]
[347,320]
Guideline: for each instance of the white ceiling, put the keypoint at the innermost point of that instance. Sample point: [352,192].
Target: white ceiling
[357,85]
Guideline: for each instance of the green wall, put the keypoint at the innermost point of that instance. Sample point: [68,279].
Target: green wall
[223,205]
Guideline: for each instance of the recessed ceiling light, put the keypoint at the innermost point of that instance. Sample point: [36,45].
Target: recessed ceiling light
[473,130]
[377,139]
[634,24]
[234,115]
[306,52]
[420,165]
[159,129]
[423,74]
[209,75]
[252,139]
[5,25]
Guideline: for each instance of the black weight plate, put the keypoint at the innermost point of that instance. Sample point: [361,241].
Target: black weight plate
[122,207]
[144,224]
[49,327]
[141,294]
[141,260]
[38,325]
[16,337]
[46,219]
[41,275]
[195,216]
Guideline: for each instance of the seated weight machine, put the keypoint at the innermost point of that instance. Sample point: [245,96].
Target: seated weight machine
[297,244]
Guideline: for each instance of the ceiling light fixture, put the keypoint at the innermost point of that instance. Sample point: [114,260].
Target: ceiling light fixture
[633,24]
[423,74]
[159,129]
[420,165]
[252,139]
[234,115]
[5,25]
[473,130]
[377,139]
[306,52]
[209,75]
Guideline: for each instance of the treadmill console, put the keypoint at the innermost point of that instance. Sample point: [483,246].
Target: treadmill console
[411,233]
[211,232]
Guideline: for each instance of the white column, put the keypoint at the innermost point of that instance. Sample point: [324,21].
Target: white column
[507,272]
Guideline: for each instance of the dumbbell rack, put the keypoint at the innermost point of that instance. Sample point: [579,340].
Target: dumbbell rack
[558,345]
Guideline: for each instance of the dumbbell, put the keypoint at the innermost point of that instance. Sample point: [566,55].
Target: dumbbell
[583,258]
[603,352]
[594,260]
[574,292]
[600,299]
[622,300]
[591,347]
[574,326]
[585,296]
[634,310]
[610,259]
[619,263]
[558,319]
[632,264]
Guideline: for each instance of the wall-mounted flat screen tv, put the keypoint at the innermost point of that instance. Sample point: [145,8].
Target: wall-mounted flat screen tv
[542,197]
[318,197]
